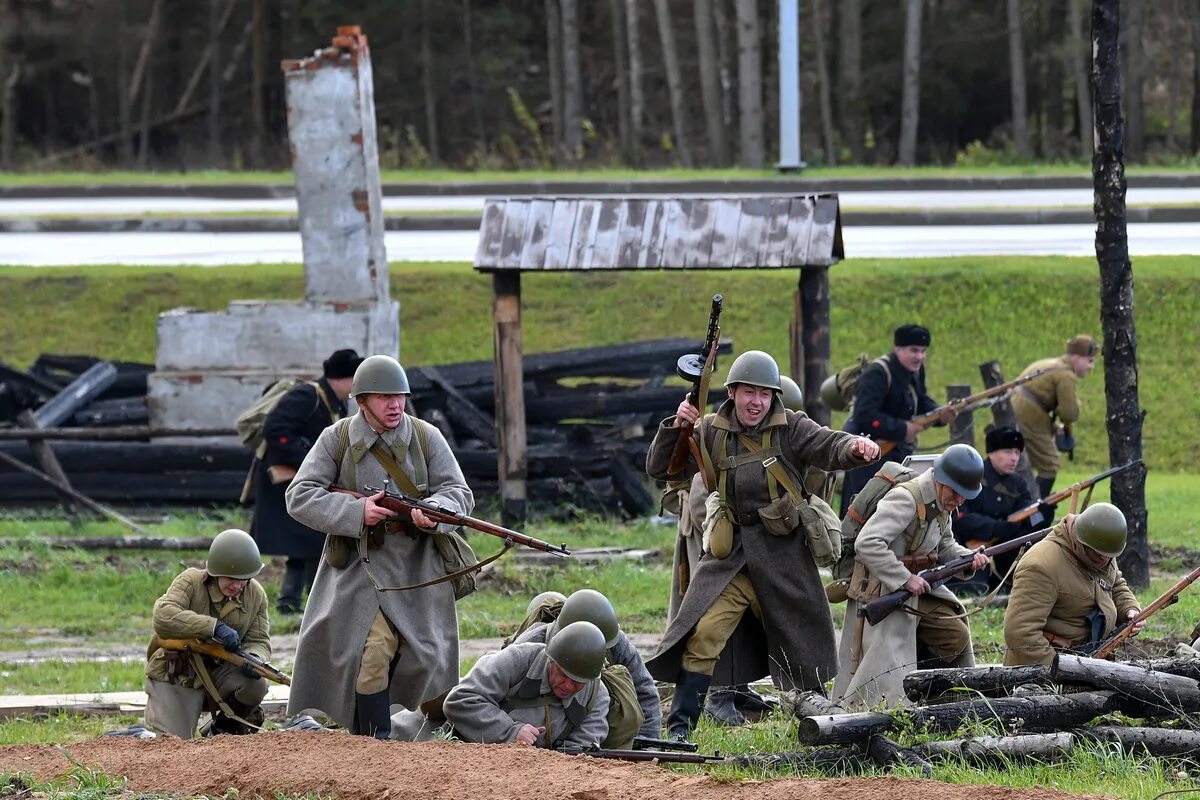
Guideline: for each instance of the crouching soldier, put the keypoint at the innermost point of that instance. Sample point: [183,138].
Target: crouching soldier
[1068,592]
[221,603]
[545,695]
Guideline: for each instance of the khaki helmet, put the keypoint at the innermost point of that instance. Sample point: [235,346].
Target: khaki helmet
[831,396]
[579,651]
[1101,526]
[379,375]
[544,598]
[961,468]
[588,605]
[793,398]
[233,554]
[756,368]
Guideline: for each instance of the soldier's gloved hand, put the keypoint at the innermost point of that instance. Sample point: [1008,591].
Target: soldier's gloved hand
[227,636]
[248,670]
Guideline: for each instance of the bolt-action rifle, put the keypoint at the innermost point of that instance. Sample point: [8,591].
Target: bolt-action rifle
[962,405]
[237,657]
[1169,597]
[1072,492]
[650,743]
[697,369]
[665,756]
[878,609]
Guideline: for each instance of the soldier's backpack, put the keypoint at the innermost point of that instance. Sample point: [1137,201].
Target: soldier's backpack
[847,378]
[625,716]
[251,423]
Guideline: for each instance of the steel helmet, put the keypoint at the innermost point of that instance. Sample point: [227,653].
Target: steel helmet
[588,605]
[233,554]
[1101,526]
[379,375]
[831,396]
[793,398]
[544,597]
[579,651]
[756,368]
[961,468]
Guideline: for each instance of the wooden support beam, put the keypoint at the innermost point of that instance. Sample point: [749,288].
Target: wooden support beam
[1003,417]
[43,453]
[82,499]
[481,424]
[510,396]
[998,750]
[814,307]
[962,429]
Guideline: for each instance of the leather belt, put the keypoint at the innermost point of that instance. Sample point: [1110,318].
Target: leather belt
[1025,392]
[747,519]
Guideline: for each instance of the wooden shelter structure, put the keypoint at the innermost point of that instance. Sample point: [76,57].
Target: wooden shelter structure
[581,234]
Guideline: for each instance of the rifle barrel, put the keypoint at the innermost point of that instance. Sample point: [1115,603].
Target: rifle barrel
[1169,597]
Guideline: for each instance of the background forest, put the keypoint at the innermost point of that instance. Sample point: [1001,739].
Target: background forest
[508,84]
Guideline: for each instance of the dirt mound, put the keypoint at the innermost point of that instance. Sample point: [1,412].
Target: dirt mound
[357,768]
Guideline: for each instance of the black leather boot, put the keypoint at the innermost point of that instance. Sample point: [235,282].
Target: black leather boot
[746,699]
[373,715]
[687,704]
[720,706]
[223,724]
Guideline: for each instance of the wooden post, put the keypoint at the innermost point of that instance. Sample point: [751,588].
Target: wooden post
[1003,417]
[43,453]
[814,313]
[510,395]
[796,341]
[962,429]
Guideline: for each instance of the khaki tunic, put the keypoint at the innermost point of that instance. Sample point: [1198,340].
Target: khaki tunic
[889,649]
[1053,590]
[1038,402]
[344,602]
[490,706]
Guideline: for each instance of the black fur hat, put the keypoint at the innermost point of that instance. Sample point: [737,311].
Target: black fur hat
[1004,438]
[341,364]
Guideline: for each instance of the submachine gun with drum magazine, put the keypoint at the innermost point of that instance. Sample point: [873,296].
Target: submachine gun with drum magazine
[697,369]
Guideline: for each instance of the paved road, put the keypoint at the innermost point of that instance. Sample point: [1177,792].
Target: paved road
[213,249]
[849,200]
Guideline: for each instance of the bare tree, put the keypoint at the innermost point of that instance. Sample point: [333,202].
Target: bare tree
[850,75]
[468,28]
[554,55]
[1135,56]
[572,82]
[1116,292]
[10,74]
[214,83]
[1195,17]
[910,102]
[710,82]
[674,81]
[616,10]
[636,97]
[823,91]
[258,89]
[750,103]
[1078,67]
[429,81]
[1016,66]
[724,59]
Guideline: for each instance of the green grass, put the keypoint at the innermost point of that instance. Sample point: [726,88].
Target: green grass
[73,677]
[1012,309]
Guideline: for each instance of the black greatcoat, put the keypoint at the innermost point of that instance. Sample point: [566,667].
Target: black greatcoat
[985,519]
[290,430]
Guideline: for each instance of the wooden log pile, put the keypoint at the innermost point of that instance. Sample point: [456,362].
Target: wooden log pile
[1038,713]
[590,414]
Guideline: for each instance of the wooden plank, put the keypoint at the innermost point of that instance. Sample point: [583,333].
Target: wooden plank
[609,222]
[795,254]
[650,250]
[723,244]
[629,246]
[676,243]
[537,233]
[58,409]
[582,239]
[43,454]
[752,228]
[513,241]
[821,239]
[480,424]
[691,236]
[774,252]
[100,703]
[562,227]
[491,234]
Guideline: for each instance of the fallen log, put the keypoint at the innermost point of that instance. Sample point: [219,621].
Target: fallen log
[993,680]
[110,542]
[887,753]
[74,494]
[81,391]
[141,456]
[826,759]
[1155,689]
[992,750]
[121,433]
[815,704]
[842,728]
[1187,666]
[1152,741]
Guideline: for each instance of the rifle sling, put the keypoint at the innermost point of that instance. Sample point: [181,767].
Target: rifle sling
[211,688]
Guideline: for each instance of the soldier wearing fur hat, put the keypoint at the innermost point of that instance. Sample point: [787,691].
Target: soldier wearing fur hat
[887,395]
[1048,405]
[289,432]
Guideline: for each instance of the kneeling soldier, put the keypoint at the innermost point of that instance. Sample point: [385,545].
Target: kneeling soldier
[1068,592]
[222,603]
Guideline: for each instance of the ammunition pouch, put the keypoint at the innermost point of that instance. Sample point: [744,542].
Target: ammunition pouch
[822,530]
[457,555]
[862,587]
[339,551]
[781,517]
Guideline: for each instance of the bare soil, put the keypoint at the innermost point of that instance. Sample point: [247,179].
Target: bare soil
[357,768]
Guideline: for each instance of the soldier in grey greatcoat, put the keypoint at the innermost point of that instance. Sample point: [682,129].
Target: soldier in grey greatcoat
[545,695]
[790,629]
[363,648]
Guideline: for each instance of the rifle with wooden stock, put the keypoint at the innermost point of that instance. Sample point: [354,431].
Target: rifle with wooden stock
[962,405]
[1059,496]
[236,657]
[404,504]
[1167,598]
[665,756]
[878,609]
[697,369]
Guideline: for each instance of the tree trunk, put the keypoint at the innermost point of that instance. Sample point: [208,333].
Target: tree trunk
[616,10]
[1124,413]
[258,87]
[710,82]
[725,50]
[887,753]
[1195,17]
[823,91]
[554,54]
[10,74]
[910,103]
[1004,417]
[850,76]
[429,69]
[750,103]
[674,82]
[214,84]
[1078,52]
[1146,686]
[1159,742]
[1002,750]
[572,82]
[923,685]
[1016,65]
[124,101]
[1135,57]
[636,97]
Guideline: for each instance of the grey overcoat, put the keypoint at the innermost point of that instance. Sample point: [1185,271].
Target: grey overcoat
[343,602]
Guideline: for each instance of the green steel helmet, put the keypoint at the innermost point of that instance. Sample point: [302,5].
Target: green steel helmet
[234,554]
[756,368]
[588,605]
[579,651]
[1101,526]
[379,375]
[961,468]
[793,398]
[831,396]
[544,597]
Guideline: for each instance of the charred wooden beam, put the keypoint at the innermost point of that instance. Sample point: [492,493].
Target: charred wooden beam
[923,685]
[842,728]
[125,433]
[1154,741]
[1173,692]
[461,410]
[79,497]
[887,753]
[826,759]
[60,408]
[141,456]
[992,750]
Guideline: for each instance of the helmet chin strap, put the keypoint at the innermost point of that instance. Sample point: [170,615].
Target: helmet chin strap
[375,423]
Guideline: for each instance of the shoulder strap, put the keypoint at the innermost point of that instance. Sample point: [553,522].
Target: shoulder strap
[339,452]
[333,415]
[773,463]
[923,514]
[420,458]
[882,361]
[388,461]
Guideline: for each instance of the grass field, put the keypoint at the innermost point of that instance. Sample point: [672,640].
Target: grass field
[1012,309]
